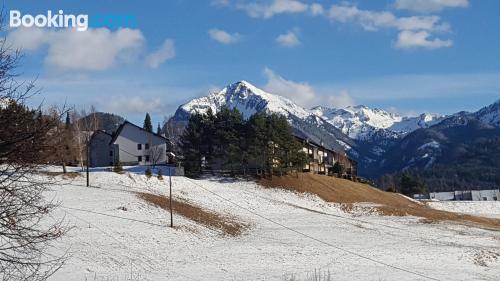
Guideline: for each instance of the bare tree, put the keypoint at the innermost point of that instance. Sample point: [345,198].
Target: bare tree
[173,130]
[90,123]
[61,147]
[26,232]
[78,137]
[155,153]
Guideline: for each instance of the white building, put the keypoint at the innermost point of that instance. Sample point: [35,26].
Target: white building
[465,195]
[129,145]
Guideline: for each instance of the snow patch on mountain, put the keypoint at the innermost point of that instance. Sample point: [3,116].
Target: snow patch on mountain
[361,122]
[433,144]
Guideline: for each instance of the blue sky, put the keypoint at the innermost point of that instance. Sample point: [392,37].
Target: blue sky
[409,57]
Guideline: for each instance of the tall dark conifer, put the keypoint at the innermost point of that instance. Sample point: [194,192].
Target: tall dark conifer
[68,120]
[191,145]
[148,125]
[158,129]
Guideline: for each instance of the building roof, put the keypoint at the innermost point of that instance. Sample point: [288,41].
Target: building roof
[119,130]
[310,139]
[97,132]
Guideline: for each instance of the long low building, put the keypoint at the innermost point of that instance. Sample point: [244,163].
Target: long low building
[463,195]
[325,161]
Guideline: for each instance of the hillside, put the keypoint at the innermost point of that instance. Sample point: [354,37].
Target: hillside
[350,193]
[461,152]
[118,235]
[105,121]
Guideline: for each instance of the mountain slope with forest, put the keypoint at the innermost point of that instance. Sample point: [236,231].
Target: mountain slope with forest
[461,152]
[458,146]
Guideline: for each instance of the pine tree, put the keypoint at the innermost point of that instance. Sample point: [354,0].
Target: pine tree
[256,140]
[191,143]
[207,140]
[158,129]
[148,126]
[68,120]
[412,185]
[338,169]
[228,125]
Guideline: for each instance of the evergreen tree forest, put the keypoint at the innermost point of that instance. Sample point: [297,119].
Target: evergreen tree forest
[225,142]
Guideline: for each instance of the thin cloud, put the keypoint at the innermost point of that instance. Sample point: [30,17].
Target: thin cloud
[369,20]
[413,31]
[305,94]
[132,105]
[289,39]
[420,39]
[261,10]
[223,37]
[342,100]
[164,53]
[429,5]
[300,92]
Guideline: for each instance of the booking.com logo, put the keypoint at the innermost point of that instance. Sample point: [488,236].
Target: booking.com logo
[80,22]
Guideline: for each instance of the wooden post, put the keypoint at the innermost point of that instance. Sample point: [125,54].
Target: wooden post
[170,184]
[88,160]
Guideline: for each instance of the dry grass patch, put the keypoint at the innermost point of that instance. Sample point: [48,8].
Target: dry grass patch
[68,175]
[228,225]
[347,193]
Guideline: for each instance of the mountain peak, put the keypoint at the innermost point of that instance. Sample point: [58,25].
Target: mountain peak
[242,84]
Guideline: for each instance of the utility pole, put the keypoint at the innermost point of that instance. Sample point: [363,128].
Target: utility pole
[88,160]
[170,183]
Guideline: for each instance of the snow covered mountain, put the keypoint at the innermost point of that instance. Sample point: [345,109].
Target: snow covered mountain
[490,114]
[363,123]
[249,99]
[380,141]
[245,97]
[461,142]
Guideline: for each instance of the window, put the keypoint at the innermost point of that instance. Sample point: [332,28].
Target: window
[147,158]
[139,146]
[139,158]
[111,153]
[146,145]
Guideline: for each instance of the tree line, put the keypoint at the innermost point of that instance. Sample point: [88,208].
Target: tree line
[226,142]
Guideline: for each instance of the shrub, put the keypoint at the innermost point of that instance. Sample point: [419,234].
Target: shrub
[160,175]
[118,168]
[148,172]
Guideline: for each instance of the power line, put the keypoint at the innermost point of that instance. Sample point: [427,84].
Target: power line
[368,222]
[113,216]
[328,214]
[114,238]
[314,238]
[298,232]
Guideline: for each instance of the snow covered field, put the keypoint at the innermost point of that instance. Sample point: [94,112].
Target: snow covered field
[481,208]
[117,236]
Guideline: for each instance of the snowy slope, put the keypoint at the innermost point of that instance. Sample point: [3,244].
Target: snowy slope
[109,242]
[361,122]
[482,208]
